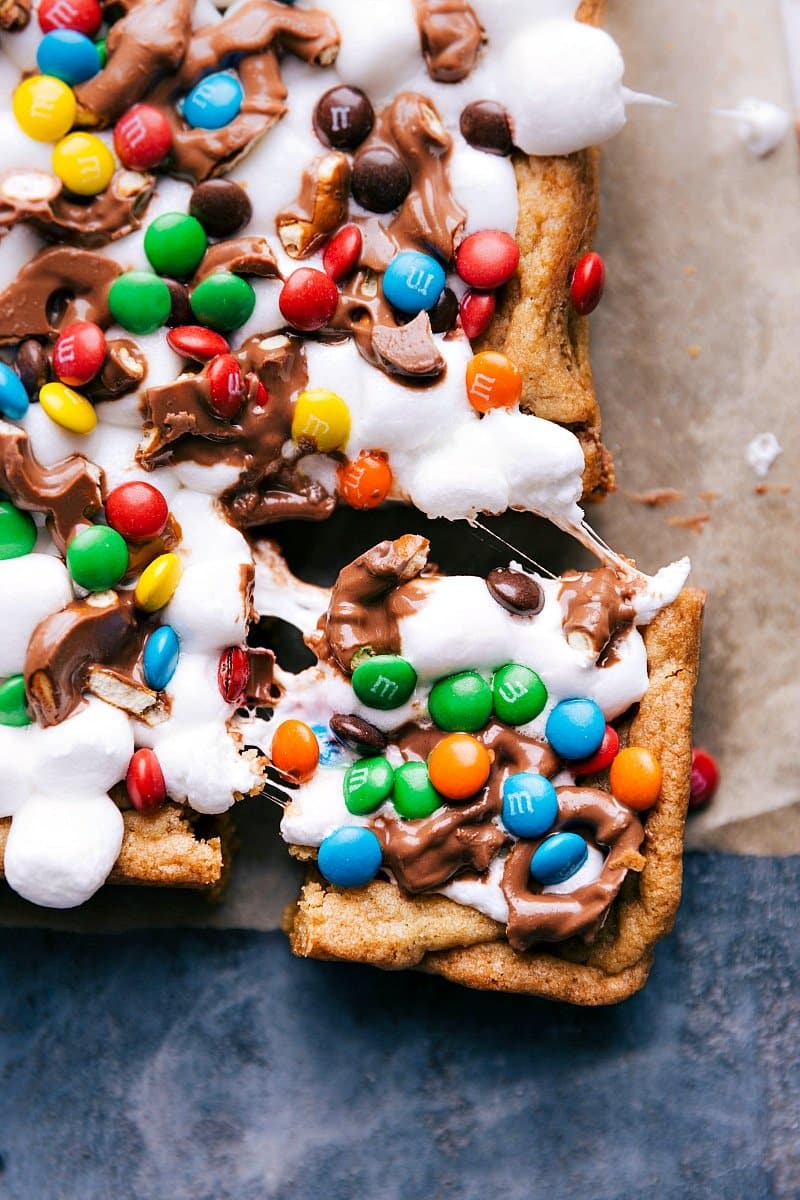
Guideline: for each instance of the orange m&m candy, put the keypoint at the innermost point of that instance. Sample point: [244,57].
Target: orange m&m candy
[459,766]
[492,381]
[365,481]
[635,778]
[295,750]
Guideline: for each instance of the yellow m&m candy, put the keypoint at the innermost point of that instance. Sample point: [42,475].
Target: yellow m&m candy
[83,163]
[323,418]
[44,107]
[67,408]
[157,582]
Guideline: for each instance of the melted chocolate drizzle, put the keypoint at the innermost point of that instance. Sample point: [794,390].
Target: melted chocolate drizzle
[69,492]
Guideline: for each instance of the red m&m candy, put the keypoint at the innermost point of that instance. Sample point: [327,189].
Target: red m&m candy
[197,342]
[602,757]
[704,780]
[137,511]
[308,299]
[142,137]
[487,259]
[79,353]
[365,482]
[233,673]
[587,283]
[82,16]
[476,311]
[226,386]
[145,782]
[340,256]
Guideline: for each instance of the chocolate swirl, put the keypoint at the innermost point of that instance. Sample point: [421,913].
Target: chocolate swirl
[59,285]
[451,37]
[597,605]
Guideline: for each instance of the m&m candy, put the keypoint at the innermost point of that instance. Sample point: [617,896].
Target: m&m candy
[97,558]
[44,107]
[367,783]
[14,401]
[137,510]
[142,137]
[233,674]
[530,804]
[68,55]
[160,658]
[518,694]
[85,16]
[492,381]
[602,757]
[704,778]
[223,301]
[358,734]
[461,703]
[487,259]
[144,782]
[196,342]
[459,766]
[79,353]
[175,244]
[226,386]
[222,207]
[139,302]
[384,681]
[321,417]
[476,311]
[365,481]
[350,856]
[331,751]
[295,750]
[13,702]
[414,796]
[17,531]
[67,408]
[157,582]
[635,778]
[587,283]
[575,728]
[214,102]
[341,254]
[413,282]
[558,858]
[308,299]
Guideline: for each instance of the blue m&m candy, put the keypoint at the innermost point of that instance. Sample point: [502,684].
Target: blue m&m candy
[331,751]
[350,856]
[160,659]
[68,55]
[413,282]
[558,858]
[14,402]
[530,804]
[213,102]
[575,728]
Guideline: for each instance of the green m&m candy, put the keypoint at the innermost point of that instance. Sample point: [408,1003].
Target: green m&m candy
[384,680]
[367,783]
[461,703]
[223,301]
[102,52]
[139,302]
[175,244]
[414,794]
[97,558]
[13,708]
[519,694]
[17,531]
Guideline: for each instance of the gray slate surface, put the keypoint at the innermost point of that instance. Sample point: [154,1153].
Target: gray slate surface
[198,1065]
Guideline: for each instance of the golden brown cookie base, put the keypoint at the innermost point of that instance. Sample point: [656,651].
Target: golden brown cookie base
[535,324]
[167,849]
[380,925]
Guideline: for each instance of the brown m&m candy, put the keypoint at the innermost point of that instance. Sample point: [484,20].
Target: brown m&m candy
[380,180]
[514,591]
[221,206]
[444,313]
[485,125]
[343,118]
[180,308]
[30,362]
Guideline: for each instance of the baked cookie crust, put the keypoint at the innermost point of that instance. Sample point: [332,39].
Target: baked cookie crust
[381,926]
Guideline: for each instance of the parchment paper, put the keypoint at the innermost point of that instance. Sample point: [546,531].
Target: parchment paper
[695,352]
